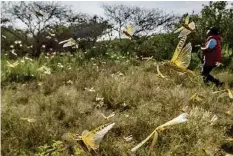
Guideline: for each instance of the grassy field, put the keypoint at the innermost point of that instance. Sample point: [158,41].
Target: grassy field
[54,91]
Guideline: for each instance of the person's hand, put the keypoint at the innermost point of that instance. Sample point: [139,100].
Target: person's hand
[198,46]
[218,64]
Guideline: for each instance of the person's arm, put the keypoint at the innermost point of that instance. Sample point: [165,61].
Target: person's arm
[211,44]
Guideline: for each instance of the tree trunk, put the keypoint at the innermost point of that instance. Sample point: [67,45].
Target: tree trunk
[37,50]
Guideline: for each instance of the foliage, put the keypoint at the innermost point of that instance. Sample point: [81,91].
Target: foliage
[145,21]
[88,30]
[38,17]
[215,14]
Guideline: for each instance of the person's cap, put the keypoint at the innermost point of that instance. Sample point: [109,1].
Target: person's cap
[214,30]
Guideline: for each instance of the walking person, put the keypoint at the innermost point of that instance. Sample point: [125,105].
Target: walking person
[212,56]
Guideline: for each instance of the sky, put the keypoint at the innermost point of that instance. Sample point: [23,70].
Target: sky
[173,7]
[176,7]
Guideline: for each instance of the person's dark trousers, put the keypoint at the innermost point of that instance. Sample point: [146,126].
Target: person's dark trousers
[209,78]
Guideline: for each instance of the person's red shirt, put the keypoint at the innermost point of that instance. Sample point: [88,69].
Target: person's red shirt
[212,56]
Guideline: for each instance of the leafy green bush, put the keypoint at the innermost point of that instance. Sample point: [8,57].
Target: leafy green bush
[227,54]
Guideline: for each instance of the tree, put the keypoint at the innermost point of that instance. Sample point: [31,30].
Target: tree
[90,31]
[83,28]
[215,14]
[145,21]
[118,15]
[38,19]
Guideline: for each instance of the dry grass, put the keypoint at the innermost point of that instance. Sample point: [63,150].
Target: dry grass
[141,100]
